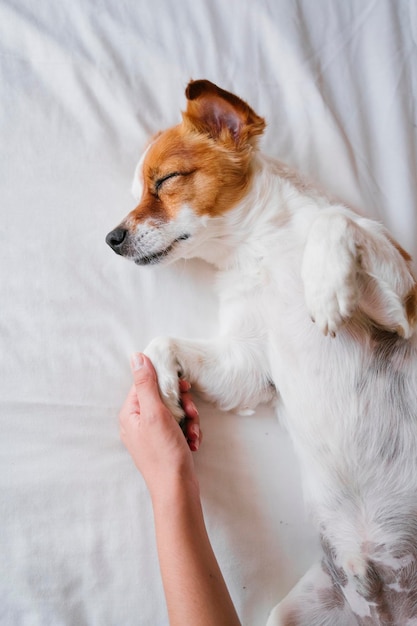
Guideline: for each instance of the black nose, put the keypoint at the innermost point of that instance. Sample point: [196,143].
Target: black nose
[116,238]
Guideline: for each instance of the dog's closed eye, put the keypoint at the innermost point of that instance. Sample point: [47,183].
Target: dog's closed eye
[163,179]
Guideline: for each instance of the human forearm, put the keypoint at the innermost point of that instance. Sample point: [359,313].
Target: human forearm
[194,586]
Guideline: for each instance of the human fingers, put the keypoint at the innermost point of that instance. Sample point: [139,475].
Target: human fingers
[193,434]
[150,403]
[189,407]
[184,385]
[145,382]
[191,427]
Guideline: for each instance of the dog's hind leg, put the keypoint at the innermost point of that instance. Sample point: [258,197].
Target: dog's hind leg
[316,600]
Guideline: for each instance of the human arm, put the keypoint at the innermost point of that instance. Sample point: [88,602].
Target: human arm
[194,587]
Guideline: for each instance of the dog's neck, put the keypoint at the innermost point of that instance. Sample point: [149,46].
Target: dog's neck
[239,239]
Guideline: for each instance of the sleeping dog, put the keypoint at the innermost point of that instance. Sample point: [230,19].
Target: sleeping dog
[318,309]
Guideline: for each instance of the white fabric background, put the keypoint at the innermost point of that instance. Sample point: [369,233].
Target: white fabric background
[83,84]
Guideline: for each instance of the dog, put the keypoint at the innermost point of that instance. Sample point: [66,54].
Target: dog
[318,311]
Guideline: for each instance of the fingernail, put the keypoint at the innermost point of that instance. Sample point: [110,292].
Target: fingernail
[194,445]
[195,431]
[194,409]
[184,385]
[137,361]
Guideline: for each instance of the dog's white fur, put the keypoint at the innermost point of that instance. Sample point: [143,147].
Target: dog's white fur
[313,312]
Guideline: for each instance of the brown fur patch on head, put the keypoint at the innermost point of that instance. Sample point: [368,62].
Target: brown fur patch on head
[183,168]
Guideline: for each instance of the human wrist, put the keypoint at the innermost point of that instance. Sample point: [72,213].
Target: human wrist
[177,489]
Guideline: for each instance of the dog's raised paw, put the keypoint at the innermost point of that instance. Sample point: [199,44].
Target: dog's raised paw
[330,273]
[330,308]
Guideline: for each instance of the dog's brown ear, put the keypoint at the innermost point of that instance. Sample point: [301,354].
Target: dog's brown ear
[221,114]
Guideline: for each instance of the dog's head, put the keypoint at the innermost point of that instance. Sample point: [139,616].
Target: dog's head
[189,174]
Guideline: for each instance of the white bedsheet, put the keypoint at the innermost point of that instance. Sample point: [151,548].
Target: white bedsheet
[83,84]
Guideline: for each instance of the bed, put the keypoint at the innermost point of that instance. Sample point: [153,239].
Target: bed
[83,85]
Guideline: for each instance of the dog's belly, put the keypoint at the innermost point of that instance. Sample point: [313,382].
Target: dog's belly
[352,421]
[318,401]
[354,427]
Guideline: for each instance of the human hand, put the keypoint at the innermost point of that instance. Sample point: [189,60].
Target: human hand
[151,434]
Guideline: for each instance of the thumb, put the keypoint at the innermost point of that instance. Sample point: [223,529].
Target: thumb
[145,380]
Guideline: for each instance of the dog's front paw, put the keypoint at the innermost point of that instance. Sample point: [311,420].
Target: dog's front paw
[330,274]
[162,353]
[331,305]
